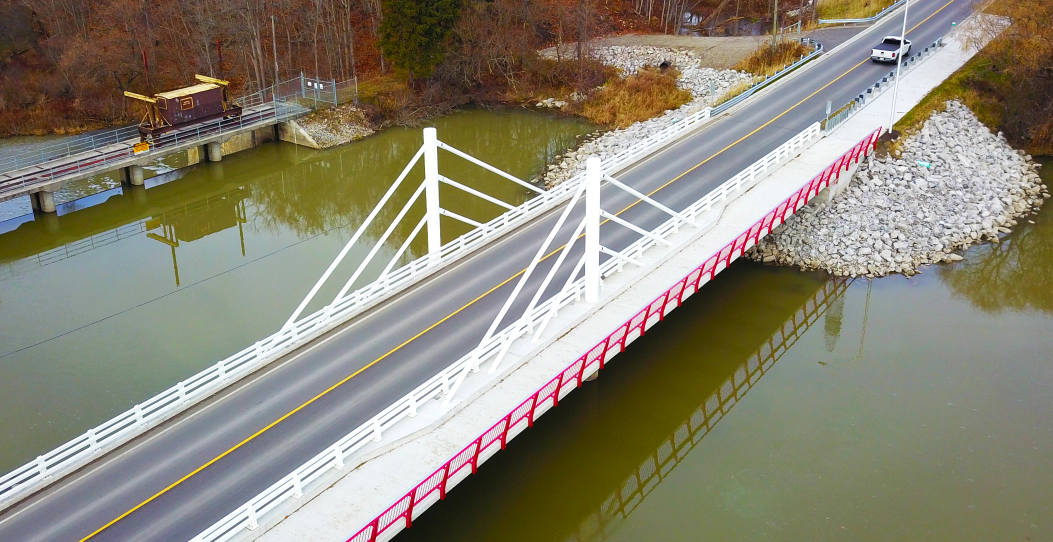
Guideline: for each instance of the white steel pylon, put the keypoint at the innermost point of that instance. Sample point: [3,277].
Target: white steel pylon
[432,213]
[590,261]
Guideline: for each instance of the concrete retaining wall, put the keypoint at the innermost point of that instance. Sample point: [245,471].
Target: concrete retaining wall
[292,132]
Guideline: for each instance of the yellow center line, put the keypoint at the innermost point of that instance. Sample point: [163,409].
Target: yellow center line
[470,303]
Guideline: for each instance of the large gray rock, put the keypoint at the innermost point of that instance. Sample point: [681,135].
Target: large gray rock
[898,215]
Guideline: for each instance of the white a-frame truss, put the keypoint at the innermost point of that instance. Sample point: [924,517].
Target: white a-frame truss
[433,211]
[589,261]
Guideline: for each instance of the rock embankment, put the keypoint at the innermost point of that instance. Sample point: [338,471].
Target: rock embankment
[955,185]
[706,85]
[336,126]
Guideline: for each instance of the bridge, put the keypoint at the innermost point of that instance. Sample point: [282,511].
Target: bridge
[211,457]
[41,173]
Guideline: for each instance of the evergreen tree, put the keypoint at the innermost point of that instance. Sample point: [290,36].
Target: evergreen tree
[413,31]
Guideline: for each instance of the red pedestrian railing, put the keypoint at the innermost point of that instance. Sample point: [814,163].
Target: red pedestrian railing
[435,486]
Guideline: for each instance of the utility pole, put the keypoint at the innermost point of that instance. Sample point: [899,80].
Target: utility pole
[146,70]
[775,26]
[274,46]
[219,50]
[899,64]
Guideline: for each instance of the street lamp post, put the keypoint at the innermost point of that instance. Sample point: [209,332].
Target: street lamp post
[899,65]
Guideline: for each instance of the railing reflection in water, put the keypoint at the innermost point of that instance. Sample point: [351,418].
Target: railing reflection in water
[675,448]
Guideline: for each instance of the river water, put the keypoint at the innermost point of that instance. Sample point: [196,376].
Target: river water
[130,290]
[774,405]
[780,405]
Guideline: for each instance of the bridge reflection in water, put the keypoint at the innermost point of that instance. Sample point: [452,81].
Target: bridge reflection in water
[682,441]
[587,468]
[199,218]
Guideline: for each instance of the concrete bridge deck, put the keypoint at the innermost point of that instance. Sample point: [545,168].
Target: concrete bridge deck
[176,480]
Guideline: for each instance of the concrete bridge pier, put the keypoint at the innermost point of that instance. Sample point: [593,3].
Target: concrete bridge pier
[215,151]
[43,201]
[133,175]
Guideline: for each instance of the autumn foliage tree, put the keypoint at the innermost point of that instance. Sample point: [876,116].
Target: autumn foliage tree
[1021,51]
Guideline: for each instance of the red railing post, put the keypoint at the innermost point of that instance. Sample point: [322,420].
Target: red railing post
[533,406]
[504,433]
[581,371]
[665,301]
[409,508]
[625,335]
[647,314]
[475,456]
[680,296]
[606,346]
[559,386]
[445,478]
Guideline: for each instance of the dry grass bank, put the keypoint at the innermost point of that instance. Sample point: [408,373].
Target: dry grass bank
[984,89]
[635,98]
[767,60]
[764,61]
[851,9]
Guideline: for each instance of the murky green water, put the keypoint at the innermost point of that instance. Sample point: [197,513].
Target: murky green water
[130,290]
[779,405]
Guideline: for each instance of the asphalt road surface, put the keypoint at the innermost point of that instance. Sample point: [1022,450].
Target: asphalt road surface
[169,485]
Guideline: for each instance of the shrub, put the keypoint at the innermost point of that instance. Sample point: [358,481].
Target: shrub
[644,95]
[767,60]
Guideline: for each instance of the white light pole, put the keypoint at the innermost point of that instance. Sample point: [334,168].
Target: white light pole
[431,192]
[899,64]
[593,174]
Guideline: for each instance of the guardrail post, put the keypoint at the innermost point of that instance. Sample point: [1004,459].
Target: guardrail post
[139,413]
[376,430]
[253,520]
[42,467]
[593,174]
[431,192]
[93,442]
[297,486]
[412,406]
[339,457]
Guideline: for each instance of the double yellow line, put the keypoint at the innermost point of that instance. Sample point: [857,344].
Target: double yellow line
[470,303]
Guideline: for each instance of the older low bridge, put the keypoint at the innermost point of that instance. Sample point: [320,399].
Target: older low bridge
[39,174]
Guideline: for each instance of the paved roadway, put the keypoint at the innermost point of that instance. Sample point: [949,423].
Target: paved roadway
[180,478]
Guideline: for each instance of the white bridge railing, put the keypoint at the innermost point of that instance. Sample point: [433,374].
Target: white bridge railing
[79,451]
[298,482]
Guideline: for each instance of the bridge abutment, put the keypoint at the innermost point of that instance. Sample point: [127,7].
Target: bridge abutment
[827,195]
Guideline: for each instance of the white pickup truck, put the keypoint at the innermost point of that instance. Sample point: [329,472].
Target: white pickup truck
[890,49]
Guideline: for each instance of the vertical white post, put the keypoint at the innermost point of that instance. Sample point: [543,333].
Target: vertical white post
[431,192]
[253,520]
[593,174]
[899,63]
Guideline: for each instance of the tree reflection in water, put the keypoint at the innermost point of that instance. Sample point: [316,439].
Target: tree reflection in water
[1015,274]
[317,191]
